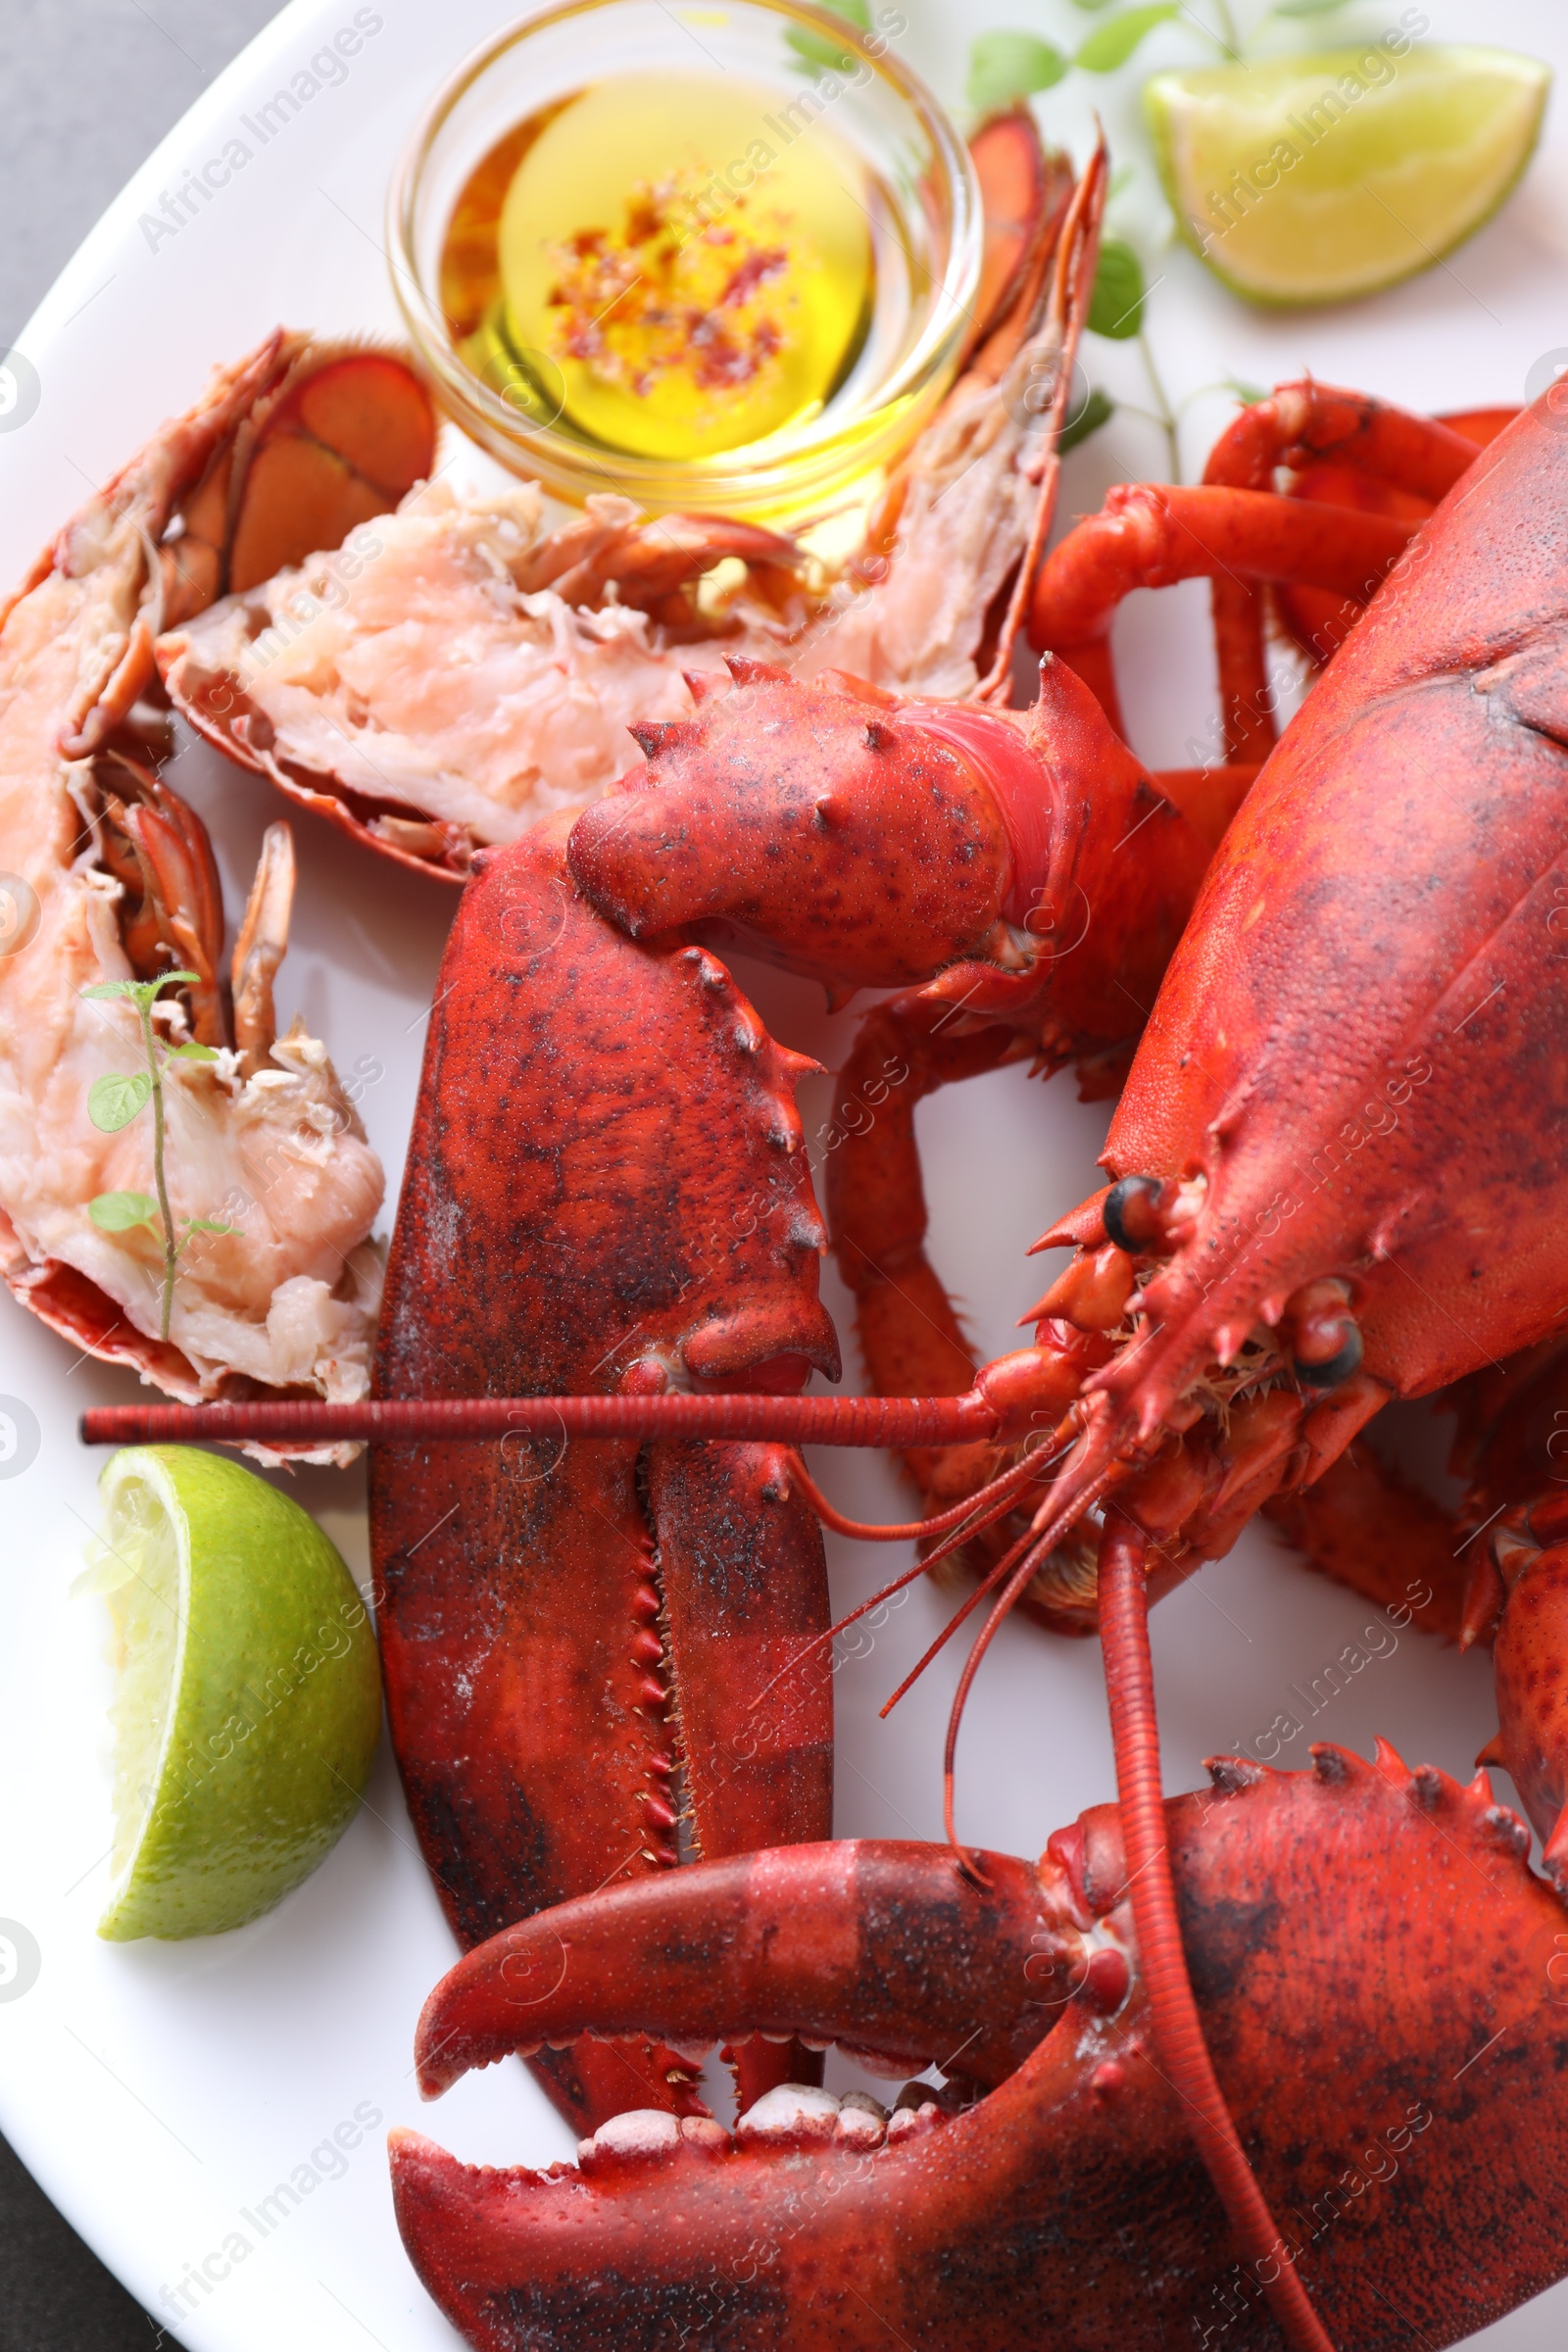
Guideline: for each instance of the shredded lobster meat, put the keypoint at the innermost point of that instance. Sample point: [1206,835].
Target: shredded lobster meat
[431,676]
[460,659]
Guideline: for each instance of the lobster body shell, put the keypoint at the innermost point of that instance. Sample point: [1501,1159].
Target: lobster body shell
[606,1186]
[1362,1041]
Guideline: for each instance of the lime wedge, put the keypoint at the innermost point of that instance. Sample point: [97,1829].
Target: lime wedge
[248,1699]
[1316,179]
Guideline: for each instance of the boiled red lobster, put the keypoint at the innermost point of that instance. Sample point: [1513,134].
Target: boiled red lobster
[1291,1236]
[1334,1180]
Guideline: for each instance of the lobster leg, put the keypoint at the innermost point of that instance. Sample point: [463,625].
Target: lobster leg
[1417,2189]
[909,1335]
[607,1188]
[1532,1705]
[908,1328]
[1349,449]
[1148,537]
[1309,423]
[1344,448]
[1365,1526]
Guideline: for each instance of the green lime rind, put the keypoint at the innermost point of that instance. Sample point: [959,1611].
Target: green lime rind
[1405,171]
[264,1753]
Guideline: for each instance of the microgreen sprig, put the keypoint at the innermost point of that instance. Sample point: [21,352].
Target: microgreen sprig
[116,1098]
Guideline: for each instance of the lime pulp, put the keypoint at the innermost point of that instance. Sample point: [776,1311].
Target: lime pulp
[1311,179]
[247,1703]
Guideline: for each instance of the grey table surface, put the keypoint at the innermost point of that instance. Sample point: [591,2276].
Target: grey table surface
[89,87]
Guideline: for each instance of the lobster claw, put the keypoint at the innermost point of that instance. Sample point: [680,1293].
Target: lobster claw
[885,1944]
[1418,2165]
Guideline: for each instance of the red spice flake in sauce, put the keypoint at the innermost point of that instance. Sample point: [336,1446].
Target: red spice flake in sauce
[658,299]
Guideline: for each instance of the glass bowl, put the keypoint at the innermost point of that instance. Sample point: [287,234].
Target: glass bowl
[924,215]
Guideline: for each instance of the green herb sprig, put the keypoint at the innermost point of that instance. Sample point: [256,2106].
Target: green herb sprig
[1006,65]
[116,1098]
[814,51]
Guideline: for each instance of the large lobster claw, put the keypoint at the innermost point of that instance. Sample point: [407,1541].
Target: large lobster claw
[884,1944]
[1372,1938]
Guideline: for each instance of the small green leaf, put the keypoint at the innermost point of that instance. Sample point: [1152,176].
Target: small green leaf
[207,1225]
[1005,66]
[1098,409]
[1116,306]
[814,49]
[1112,43]
[114,1098]
[191,1051]
[1249,395]
[117,1212]
[141,992]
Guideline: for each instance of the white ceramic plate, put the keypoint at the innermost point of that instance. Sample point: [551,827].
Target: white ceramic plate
[161,2092]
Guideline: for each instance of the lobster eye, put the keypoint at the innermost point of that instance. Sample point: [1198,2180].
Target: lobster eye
[1132,1214]
[1335,1368]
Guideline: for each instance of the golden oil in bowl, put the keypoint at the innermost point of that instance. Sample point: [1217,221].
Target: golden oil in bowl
[716,257]
[604,256]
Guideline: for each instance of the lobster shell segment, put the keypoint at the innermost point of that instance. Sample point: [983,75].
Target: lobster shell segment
[1371,1935]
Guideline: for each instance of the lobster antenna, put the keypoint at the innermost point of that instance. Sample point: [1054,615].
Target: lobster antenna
[992,1578]
[1080,1486]
[742,1413]
[971,1522]
[871,1530]
[1038,1547]
[1178,2027]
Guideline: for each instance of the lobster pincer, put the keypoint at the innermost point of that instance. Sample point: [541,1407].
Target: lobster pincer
[885,1946]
